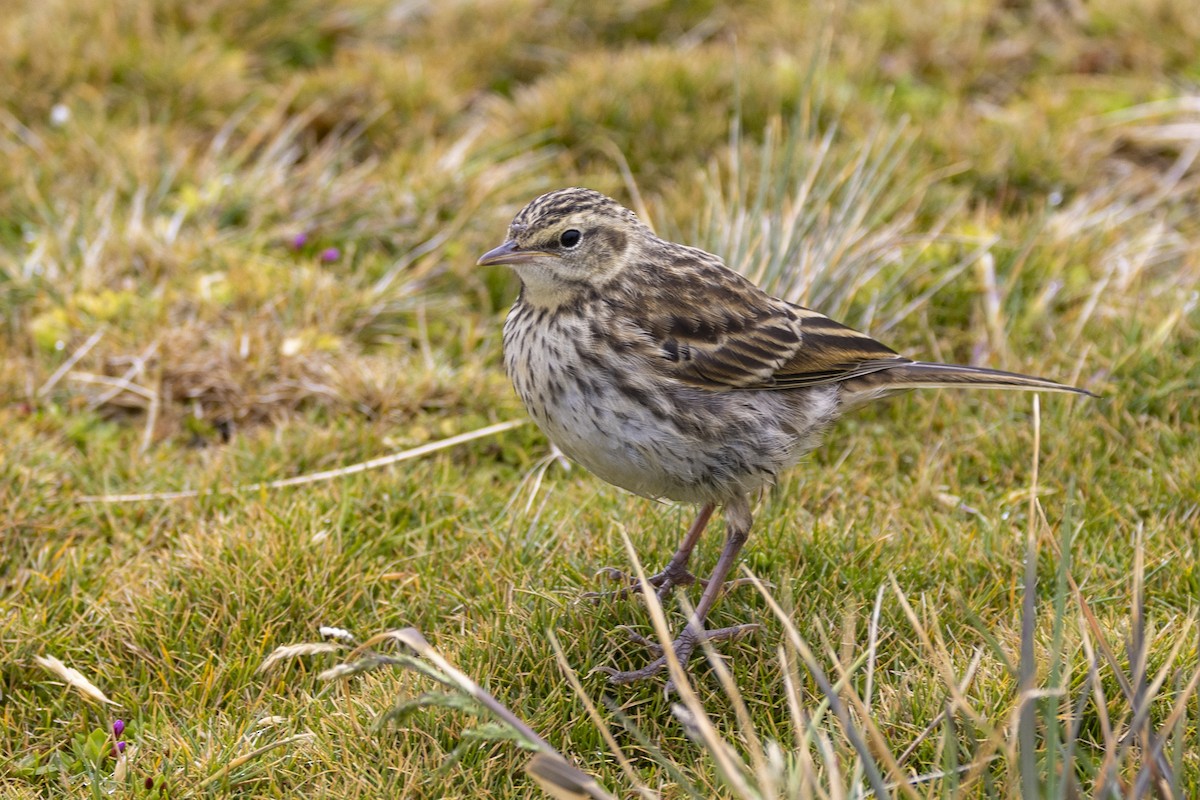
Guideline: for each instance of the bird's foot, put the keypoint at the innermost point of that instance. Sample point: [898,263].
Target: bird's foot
[683,646]
[663,582]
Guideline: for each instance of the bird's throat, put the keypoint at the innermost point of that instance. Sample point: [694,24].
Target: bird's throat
[541,289]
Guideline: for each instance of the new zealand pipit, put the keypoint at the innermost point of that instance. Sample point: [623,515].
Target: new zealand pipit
[668,374]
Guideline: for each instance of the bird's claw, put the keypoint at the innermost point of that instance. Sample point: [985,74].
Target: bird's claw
[652,645]
[663,582]
[683,646]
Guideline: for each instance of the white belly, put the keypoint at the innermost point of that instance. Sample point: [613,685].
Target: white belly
[641,432]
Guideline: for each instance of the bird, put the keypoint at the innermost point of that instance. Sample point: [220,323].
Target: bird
[666,373]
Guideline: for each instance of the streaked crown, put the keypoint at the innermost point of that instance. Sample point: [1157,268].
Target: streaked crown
[551,209]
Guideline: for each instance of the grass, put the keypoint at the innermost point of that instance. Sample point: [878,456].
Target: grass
[237,246]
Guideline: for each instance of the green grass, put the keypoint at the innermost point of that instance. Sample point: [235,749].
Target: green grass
[1008,184]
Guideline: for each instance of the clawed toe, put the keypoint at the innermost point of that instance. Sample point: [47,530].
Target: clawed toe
[663,582]
[737,518]
[616,576]
[683,646]
[652,645]
[612,574]
[618,678]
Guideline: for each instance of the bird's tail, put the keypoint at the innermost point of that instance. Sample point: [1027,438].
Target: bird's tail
[930,375]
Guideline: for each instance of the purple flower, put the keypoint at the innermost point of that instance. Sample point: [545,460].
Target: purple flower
[299,240]
[120,747]
[118,727]
[330,254]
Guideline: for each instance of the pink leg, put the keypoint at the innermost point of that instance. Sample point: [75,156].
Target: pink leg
[737,527]
[674,574]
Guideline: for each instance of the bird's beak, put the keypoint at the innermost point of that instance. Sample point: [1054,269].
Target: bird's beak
[509,253]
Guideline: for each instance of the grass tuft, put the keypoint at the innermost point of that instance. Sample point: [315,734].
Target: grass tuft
[237,248]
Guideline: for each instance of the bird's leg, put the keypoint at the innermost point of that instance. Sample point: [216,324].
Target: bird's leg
[674,574]
[737,526]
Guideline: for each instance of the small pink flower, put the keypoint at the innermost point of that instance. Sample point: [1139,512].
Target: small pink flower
[299,240]
[330,254]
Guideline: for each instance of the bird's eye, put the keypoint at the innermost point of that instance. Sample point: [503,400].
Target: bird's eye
[570,238]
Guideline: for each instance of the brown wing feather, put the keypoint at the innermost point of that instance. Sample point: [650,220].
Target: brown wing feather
[707,326]
[832,352]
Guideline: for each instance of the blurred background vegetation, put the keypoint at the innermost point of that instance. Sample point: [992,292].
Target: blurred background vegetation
[237,243]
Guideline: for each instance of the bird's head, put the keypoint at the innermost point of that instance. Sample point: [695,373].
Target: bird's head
[568,242]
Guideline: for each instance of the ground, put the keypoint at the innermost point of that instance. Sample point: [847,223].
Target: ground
[237,245]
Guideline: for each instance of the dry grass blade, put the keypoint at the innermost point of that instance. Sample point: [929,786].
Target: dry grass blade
[412,638]
[1026,709]
[764,774]
[594,715]
[879,747]
[832,696]
[70,363]
[803,729]
[246,758]
[940,659]
[287,652]
[272,211]
[696,717]
[548,767]
[1146,773]
[562,781]
[552,771]
[317,477]
[74,678]
[873,644]
[1139,695]
[963,686]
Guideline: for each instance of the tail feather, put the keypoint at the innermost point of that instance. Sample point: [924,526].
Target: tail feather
[930,375]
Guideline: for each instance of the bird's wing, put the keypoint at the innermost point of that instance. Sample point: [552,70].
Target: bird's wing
[718,331]
[830,352]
